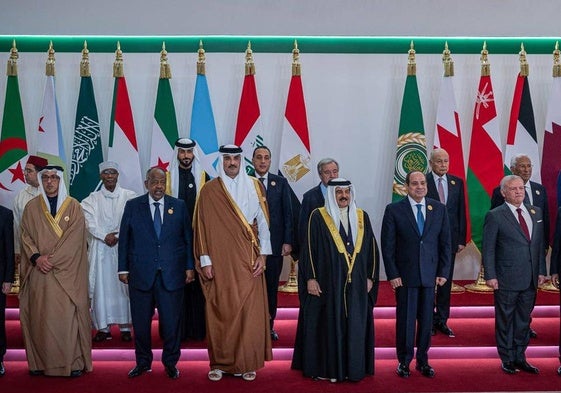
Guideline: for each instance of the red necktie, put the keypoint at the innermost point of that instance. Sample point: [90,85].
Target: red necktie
[523,224]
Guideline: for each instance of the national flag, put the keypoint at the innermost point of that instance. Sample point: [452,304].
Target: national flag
[164,130]
[87,152]
[551,164]
[522,136]
[123,146]
[248,135]
[411,153]
[13,142]
[203,128]
[485,163]
[295,162]
[49,131]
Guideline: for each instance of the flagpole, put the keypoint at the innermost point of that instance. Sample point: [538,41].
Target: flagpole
[291,285]
[480,284]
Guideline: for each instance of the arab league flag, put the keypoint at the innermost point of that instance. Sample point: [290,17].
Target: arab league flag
[295,161]
[87,153]
[49,132]
[411,153]
[522,137]
[123,146]
[164,129]
[203,128]
[485,163]
[551,162]
[13,145]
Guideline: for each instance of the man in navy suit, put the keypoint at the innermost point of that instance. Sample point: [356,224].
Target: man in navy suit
[513,258]
[156,261]
[449,190]
[328,169]
[535,195]
[280,225]
[6,273]
[416,248]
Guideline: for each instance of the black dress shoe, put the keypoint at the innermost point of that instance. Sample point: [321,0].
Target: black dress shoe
[443,328]
[172,372]
[533,333]
[139,370]
[35,373]
[508,367]
[2,369]
[426,370]
[75,373]
[274,335]
[126,336]
[559,371]
[526,367]
[403,370]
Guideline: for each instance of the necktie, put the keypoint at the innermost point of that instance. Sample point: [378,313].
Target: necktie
[523,224]
[420,218]
[526,196]
[262,180]
[157,219]
[441,191]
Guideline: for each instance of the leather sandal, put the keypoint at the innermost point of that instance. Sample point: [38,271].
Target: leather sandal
[249,376]
[215,375]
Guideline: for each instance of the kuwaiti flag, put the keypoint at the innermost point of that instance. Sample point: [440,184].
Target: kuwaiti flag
[522,137]
[13,145]
[551,162]
[448,135]
[485,163]
[247,127]
[295,157]
[164,129]
[49,131]
[123,146]
[203,128]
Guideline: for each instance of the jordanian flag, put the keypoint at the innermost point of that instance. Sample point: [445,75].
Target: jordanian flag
[522,137]
[411,154]
[87,153]
[248,135]
[164,129]
[49,132]
[13,145]
[551,162]
[123,146]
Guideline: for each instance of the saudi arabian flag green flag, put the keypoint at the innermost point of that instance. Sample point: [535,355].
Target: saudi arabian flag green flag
[87,153]
[411,153]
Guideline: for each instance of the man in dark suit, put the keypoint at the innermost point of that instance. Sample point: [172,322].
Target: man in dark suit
[514,263]
[555,266]
[328,169]
[447,189]
[535,195]
[280,225]
[416,248]
[156,261]
[7,260]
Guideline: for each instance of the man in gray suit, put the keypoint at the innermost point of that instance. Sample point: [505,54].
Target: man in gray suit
[514,263]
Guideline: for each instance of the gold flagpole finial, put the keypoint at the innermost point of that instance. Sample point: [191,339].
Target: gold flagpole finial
[411,64]
[201,59]
[118,71]
[296,67]
[556,61]
[165,69]
[249,64]
[485,65]
[50,65]
[447,61]
[13,61]
[85,62]
[524,67]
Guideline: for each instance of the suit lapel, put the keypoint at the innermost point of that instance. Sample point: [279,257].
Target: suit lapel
[509,216]
[408,211]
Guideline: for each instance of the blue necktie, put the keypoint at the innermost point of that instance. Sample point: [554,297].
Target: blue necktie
[157,219]
[420,218]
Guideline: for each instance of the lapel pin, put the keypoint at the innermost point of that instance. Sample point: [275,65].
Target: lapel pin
[190,185]
[453,182]
[429,207]
[170,210]
[66,218]
[537,192]
[273,183]
[532,211]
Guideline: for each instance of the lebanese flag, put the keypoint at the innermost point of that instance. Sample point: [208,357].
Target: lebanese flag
[551,164]
[247,127]
[485,163]
[448,135]
[295,161]
[123,146]
[522,137]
